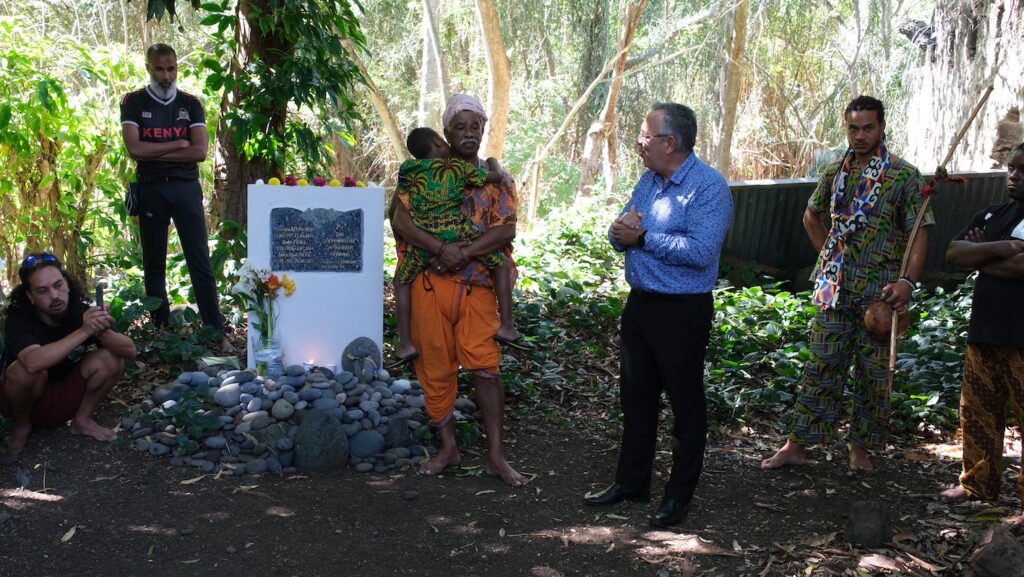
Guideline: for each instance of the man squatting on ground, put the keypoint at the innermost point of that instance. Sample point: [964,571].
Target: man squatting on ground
[873,197]
[454,309]
[164,130]
[672,231]
[993,244]
[48,377]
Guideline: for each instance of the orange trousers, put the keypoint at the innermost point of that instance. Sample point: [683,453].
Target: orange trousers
[452,324]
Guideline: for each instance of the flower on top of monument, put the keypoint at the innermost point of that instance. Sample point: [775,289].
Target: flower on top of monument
[273,283]
[319,181]
[288,284]
[349,181]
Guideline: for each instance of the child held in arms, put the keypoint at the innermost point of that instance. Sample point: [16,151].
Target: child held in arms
[437,183]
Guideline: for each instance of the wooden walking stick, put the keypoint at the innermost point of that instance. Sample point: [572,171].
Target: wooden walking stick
[941,175]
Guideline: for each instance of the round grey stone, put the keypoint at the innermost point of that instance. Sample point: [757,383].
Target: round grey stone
[158,449]
[295,370]
[216,442]
[256,467]
[254,405]
[358,349]
[410,495]
[244,376]
[207,467]
[282,410]
[291,396]
[326,404]
[141,445]
[366,444]
[185,378]
[310,394]
[400,386]
[251,387]
[200,378]
[285,444]
[228,395]
[364,467]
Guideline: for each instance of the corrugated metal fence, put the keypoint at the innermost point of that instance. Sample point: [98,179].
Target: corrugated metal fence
[767,225]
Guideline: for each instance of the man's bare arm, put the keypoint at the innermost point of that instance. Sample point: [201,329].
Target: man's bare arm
[1007,269]
[139,150]
[815,227]
[975,255]
[120,345]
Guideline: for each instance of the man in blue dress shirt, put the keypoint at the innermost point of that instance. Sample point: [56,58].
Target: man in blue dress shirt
[672,231]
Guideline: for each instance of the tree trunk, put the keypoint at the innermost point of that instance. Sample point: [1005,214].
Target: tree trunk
[732,75]
[499,78]
[977,44]
[601,136]
[433,74]
[232,172]
[390,126]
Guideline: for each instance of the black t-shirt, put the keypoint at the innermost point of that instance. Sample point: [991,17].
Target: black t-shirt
[997,317]
[24,329]
[163,121]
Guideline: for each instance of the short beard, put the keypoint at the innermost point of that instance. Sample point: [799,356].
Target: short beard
[161,92]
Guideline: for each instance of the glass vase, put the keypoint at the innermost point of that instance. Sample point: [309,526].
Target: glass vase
[268,356]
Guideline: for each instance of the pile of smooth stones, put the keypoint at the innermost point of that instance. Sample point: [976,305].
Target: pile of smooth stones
[235,422]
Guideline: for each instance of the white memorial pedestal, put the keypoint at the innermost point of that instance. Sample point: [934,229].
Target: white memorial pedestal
[328,309]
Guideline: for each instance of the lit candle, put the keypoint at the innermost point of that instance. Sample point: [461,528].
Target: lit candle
[309,364]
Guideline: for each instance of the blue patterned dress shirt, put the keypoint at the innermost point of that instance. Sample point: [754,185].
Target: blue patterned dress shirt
[686,220]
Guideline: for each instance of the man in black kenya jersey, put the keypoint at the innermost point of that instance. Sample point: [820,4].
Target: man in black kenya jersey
[164,130]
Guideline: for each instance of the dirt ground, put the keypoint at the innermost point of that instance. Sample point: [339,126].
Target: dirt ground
[93,509]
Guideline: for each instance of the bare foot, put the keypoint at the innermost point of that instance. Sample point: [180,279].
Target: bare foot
[501,468]
[225,346]
[789,454]
[89,428]
[440,462]
[859,460]
[955,495]
[405,350]
[1016,522]
[508,332]
[18,437]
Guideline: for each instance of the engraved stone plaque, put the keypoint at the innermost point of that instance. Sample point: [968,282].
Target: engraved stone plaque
[316,240]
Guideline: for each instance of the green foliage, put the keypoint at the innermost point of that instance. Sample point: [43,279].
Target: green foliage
[298,64]
[194,415]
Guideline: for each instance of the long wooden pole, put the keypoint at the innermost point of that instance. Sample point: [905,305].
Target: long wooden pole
[893,336]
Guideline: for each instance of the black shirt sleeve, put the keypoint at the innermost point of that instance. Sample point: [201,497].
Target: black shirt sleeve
[130,113]
[18,335]
[196,112]
[977,221]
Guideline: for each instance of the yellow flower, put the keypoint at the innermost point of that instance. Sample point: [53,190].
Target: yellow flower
[288,284]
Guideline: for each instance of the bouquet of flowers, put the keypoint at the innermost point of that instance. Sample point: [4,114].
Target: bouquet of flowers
[256,292]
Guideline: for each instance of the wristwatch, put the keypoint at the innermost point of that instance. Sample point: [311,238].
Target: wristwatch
[642,239]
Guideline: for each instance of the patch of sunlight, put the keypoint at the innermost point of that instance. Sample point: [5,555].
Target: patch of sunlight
[278,511]
[216,516]
[153,530]
[21,499]
[669,543]
[381,483]
[468,529]
[439,520]
[589,534]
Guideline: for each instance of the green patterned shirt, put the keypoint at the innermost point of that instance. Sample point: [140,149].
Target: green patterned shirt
[876,251]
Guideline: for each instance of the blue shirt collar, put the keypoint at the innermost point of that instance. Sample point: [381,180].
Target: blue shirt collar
[684,169]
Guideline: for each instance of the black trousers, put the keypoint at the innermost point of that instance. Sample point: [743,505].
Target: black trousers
[160,201]
[664,339]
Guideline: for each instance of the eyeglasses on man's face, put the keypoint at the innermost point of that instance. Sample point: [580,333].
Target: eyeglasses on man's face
[643,139]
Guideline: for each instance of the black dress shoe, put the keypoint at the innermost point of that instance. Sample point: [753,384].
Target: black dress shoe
[671,512]
[616,493]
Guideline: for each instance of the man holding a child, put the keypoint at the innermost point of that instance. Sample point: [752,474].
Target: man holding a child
[454,311]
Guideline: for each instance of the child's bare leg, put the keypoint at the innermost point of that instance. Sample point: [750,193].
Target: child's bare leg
[403,309]
[503,289]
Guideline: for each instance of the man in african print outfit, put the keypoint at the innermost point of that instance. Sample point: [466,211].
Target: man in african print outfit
[993,244]
[436,182]
[873,198]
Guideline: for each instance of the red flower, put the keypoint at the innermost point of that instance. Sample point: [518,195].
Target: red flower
[273,283]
